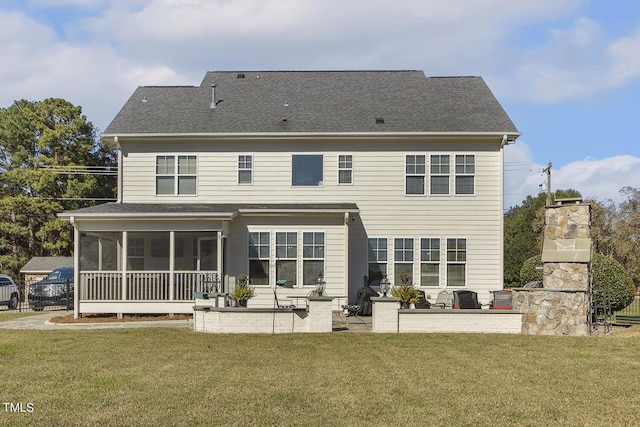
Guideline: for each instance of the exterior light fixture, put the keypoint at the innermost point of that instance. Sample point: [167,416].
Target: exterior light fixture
[320,285]
[385,285]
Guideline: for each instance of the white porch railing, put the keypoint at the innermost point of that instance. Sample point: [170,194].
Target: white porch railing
[145,285]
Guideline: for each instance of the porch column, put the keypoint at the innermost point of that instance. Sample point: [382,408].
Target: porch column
[219,258]
[76,270]
[172,264]
[124,264]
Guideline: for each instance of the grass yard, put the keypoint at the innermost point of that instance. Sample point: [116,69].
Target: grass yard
[159,377]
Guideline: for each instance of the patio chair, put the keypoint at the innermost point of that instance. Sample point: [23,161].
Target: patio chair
[284,284]
[443,300]
[422,300]
[501,300]
[466,299]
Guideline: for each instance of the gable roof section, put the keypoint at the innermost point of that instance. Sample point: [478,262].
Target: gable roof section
[317,102]
[46,264]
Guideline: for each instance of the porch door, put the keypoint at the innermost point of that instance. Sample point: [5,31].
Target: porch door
[207,257]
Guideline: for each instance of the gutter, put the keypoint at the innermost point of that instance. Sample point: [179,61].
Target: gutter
[318,135]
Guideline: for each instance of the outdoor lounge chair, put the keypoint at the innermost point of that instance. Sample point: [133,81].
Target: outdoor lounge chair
[444,300]
[466,299]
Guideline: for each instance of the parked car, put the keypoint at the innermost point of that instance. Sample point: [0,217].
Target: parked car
[55,289]
[9,293]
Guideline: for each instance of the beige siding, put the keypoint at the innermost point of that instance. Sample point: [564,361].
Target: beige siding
[377,189]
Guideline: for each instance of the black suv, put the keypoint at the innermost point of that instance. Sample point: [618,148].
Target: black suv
[55,289]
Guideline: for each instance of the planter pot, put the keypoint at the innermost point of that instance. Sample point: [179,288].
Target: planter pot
[242,303]
[405,305]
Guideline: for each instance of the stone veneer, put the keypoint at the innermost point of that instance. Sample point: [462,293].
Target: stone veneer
[562,305]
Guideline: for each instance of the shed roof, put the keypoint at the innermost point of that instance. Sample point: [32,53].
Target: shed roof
[314,101]
[45,264]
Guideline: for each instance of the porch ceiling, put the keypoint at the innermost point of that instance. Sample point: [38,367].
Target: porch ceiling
[222,211]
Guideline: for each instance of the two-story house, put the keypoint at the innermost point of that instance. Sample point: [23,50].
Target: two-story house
[352,175]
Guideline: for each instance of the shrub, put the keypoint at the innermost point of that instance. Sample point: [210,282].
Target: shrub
[609,280]
[406,294]
[528,272]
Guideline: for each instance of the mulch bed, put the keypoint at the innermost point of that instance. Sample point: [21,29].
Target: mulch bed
[107,318]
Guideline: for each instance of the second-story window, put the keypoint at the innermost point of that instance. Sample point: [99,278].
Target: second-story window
[307,170]
[345,169]
[245,169]
[465,173]
[176,175]
[439,168]
[414,174]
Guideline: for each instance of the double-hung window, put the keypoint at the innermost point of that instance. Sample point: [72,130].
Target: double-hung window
[377,260]
[287,256]
[429,262]
[345,169]
[403,261]
[439,179]
[456,262]
[176,175]
[307,170]
[312,257]
[245,169]
[415,174]
[259,244]
[465,173]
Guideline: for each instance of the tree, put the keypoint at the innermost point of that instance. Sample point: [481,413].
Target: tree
[43,146]
[523,225]
[626,233]
[610,280]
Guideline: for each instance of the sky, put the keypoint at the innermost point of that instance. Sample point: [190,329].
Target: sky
[567,72]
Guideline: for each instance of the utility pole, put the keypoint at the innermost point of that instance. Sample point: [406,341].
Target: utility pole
[548,171]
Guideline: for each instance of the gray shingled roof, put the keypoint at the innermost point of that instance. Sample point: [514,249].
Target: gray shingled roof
[123,209]
[318,101]
[46,264]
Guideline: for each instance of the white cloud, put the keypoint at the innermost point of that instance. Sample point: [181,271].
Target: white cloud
[574,63]
[595,179]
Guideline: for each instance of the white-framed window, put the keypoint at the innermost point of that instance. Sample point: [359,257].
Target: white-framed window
[377,256]
[345,169]
[245,169]
[287,256]
[312,257]
[415,174]
[465,173]
[403,261]
[307,170]
[439,177]
[135,253]
[429,261]
[456,262]
[259,257]
[176,175]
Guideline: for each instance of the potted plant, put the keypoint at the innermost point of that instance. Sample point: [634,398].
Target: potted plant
[242,292]
[406,293]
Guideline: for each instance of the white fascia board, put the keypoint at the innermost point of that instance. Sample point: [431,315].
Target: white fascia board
[315,135]
[280,212]
[188,216]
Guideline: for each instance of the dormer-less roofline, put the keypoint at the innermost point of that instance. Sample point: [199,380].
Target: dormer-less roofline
[505,138]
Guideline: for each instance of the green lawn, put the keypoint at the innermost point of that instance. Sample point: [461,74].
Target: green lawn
[159,377]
